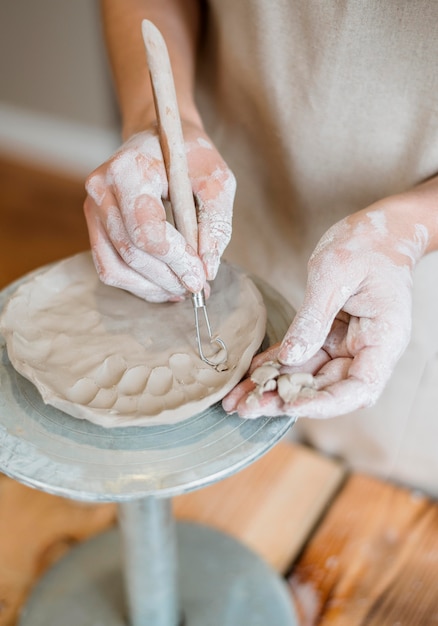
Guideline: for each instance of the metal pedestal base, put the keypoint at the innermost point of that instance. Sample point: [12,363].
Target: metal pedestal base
[221,582]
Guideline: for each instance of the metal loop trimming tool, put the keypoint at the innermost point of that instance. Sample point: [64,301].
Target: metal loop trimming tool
[175,161]
[198,300]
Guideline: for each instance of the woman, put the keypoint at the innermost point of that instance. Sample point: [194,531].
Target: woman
[327,115]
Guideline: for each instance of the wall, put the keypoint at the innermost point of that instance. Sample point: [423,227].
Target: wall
[57,105]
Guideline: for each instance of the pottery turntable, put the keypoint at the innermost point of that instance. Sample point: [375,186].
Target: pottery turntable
[150,570]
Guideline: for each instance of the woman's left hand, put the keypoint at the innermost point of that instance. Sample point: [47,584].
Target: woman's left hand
[355,320]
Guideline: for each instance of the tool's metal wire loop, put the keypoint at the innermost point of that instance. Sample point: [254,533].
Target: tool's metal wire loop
[198,300]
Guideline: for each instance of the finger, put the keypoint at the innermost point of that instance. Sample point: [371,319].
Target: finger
[233,398]
[237,397]
[388,333]
[108,217]
[373,366]
[214,192]
[114,272]
[215,213]
[139,181]
[135,221]
[267,405]
[312,366]
[245,387]
[336,344]
[142,263]
[268,355]
[332,372]
[96,187]
[322,301]
[152,234]
[345,385]
[336,399]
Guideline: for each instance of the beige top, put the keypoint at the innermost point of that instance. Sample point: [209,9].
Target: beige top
[321,109]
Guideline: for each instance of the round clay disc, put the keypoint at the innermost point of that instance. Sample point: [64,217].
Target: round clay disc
[102,354]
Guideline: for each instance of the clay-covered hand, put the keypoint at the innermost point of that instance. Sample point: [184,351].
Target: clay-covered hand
[354,323]
[133,245]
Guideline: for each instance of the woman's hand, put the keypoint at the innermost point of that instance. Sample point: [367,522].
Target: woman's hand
[133,245]
[355,320]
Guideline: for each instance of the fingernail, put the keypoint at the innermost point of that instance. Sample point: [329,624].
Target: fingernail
[228,405]
[232,412]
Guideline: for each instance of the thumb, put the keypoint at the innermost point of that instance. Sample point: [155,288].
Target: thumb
[312,323]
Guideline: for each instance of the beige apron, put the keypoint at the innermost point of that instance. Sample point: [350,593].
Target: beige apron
[321,108]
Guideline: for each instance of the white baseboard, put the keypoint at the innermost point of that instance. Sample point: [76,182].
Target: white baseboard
[59,144]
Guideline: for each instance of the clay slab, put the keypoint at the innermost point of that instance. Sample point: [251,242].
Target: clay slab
[102,354]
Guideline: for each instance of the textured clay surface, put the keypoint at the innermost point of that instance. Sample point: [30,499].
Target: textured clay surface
[102,354]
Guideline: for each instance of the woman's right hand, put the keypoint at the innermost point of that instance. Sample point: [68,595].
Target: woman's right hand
[133,245]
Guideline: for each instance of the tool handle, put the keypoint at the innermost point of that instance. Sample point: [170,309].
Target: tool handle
[170,134]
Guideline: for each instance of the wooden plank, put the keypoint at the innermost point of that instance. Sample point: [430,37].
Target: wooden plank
[41,219]
[373,560]
[271,506]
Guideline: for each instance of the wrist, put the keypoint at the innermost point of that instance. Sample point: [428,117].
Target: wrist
[145,119]
[419,208]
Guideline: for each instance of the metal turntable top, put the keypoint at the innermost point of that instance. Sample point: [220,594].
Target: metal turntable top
[47,449]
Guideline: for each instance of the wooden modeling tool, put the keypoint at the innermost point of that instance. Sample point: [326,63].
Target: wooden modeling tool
[175,161]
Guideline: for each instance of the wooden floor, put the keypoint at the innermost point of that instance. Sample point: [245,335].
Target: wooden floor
[373,560]
[41,219]
[355,550]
